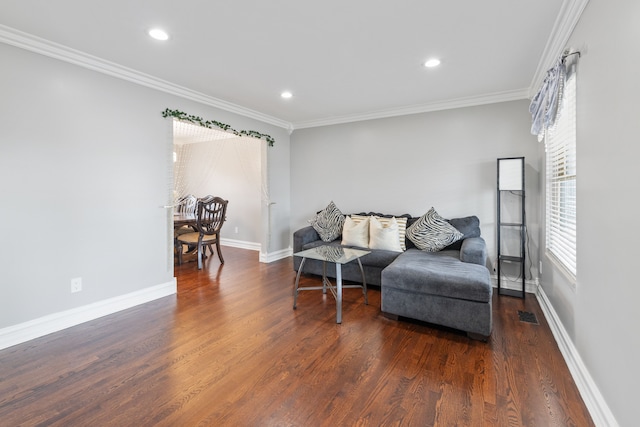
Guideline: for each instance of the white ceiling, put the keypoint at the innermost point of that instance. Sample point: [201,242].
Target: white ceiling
[343,60]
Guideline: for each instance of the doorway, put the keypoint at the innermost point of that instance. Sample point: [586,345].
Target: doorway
[212,161]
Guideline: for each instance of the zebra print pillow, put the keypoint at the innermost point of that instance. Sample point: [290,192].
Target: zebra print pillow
[432,233]
[328,223]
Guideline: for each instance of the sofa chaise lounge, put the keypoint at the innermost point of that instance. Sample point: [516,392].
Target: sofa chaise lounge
[449,287]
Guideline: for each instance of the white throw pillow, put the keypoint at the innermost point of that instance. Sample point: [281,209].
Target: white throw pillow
[402,227]
[384,236]
[355,233]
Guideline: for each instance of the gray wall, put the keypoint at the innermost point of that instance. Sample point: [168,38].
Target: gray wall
[600,312]
[85,164]
[444,159]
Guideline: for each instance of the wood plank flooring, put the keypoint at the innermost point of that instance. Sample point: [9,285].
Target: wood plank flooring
[229,350]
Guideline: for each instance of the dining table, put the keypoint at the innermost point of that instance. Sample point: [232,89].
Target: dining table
[181,219]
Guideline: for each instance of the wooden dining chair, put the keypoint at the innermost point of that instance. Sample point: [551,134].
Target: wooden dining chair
[211,214]
[186,204]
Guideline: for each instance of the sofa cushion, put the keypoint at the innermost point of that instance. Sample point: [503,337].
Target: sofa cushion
[432,233]
[328,222]
[440,273]
[469,226]
[379,258]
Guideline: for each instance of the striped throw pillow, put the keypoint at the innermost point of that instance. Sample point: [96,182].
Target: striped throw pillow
[432,233]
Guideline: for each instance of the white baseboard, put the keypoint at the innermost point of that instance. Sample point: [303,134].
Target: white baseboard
[598,408]
[275,256]
[55,322]
[241,244]
[590,393]
[264,257]
[514,284]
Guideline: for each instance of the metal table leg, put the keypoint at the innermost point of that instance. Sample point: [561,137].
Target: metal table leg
[339,295]
[295,291]
[364,284]
[326,284]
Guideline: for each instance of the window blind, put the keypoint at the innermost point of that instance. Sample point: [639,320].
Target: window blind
[560,143]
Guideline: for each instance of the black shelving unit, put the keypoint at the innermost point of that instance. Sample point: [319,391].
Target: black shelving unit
[511,220]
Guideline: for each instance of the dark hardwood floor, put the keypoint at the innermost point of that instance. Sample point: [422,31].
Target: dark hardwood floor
[229,350]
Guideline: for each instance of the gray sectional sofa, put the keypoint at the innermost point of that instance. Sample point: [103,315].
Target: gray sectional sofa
[451,287]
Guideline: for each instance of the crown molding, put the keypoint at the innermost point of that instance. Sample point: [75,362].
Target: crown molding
[567,19]
[32,43]
[492,98]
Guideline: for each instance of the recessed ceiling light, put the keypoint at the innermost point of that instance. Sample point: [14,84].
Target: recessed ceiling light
[158,34]
[286,95]
[434,62]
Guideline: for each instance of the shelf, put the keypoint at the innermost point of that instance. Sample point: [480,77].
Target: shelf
[511,202]
[511,292]
[511,258]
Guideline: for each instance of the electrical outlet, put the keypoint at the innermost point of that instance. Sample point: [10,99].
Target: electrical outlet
[236,230]
[76,285]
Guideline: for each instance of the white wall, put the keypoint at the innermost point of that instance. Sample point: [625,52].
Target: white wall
[600,313]
[444,159]
[85,164]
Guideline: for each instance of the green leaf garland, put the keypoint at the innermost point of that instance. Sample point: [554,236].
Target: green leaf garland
[211,124]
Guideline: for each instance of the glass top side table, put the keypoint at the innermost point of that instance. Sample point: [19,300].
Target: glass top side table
[339,256]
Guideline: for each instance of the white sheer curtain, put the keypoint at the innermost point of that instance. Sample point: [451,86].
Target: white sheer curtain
[252,165]
[199,152]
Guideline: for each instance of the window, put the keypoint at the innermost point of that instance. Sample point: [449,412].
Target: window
[560,142]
